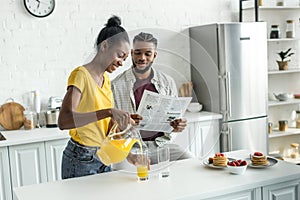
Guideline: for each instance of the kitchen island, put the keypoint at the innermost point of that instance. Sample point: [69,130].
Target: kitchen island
[189,179]
[34,156]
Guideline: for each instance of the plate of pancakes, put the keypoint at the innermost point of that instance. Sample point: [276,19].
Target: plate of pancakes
[258,160]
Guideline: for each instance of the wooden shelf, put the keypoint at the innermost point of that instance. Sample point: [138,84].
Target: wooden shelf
[284,71]
[281,103]
[282,39]
[290,131]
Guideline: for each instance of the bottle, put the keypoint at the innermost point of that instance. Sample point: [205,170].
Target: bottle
[294,151]
[290,29]
[283,125]
[270,126]
[298,119]
[275,32]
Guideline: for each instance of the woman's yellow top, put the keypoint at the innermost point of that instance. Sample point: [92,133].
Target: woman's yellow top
[93,97]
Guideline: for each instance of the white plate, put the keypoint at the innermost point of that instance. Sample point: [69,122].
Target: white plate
[271,162]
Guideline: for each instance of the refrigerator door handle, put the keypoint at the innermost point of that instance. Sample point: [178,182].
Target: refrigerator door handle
[229,141]
[228,94]
[225,137]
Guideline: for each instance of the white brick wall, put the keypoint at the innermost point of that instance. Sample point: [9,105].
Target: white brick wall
[40,53]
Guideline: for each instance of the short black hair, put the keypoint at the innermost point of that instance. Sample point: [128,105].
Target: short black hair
[113,31]
[145,37]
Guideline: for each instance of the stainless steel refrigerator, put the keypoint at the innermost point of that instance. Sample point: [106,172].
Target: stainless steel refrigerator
[229,75]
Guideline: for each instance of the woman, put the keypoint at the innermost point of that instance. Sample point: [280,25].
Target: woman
[87,109]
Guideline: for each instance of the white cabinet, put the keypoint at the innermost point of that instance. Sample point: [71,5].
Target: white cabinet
[282,191]
[5,183]
[253,194]
[28,164]
[34,163]
[204,138]
[54,150]
[200,137]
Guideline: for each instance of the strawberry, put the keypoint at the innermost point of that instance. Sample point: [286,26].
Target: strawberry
[243,163]
[219,155]
[258,153]
[210,160]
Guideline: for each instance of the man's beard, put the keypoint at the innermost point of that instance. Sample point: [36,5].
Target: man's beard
[141,71]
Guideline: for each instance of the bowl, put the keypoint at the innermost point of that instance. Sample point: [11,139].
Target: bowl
[195,107]
[237,169]
[282,96]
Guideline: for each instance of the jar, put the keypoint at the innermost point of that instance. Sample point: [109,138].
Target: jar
[28,120]
[280,3]
[283,125]
[290,29]
[294,151]
[298,119]
[270,125]
[275,32]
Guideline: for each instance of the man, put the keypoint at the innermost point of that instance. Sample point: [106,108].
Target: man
[128,89]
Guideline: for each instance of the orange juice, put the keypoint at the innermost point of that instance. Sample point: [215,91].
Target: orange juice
[142,171]
[114,151]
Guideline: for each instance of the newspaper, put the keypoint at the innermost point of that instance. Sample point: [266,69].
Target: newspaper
[159,110]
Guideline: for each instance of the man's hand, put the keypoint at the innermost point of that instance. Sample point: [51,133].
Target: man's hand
[178,125]
[137,118]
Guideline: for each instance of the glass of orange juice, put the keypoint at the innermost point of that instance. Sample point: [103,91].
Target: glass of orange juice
[142,165]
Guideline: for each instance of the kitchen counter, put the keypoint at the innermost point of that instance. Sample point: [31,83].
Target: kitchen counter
[201,116]
[189,179]
[17,137]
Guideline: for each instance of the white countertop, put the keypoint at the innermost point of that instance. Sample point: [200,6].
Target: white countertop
[17,137]
[189,179]
[201,116]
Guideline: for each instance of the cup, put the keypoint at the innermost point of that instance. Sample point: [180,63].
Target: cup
[142,165]
[28,120]
[163,158]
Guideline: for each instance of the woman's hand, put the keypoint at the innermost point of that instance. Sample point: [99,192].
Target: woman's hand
[122,118]
[137,118]
[178,125]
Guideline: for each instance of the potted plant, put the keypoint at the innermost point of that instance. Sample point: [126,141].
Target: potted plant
[283,63]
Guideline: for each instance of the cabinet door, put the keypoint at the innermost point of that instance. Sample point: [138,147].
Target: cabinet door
[28,164]
[282,191]
[5,183]
[253,194]
[182,138]
[204,138]
[54,150]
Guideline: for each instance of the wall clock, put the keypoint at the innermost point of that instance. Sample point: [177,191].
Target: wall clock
[39,8]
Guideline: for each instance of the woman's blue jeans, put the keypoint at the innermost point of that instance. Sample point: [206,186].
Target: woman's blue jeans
[79,160]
